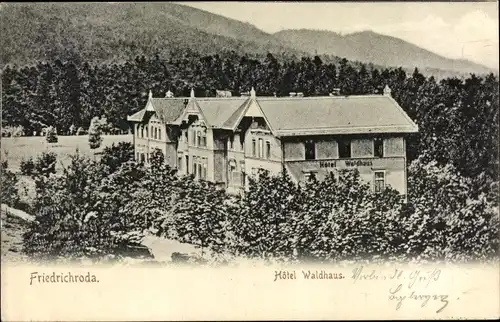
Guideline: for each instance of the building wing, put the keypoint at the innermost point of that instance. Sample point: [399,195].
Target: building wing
[335,115]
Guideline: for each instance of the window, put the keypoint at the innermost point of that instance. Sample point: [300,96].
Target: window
[194,137]
[156,133]
[194,167]
[378,148]
[204,139]
[200,174]
[205,169]
[231,143]
[232,169]
[187,164]
[159,133]
[186,136]
[179,163]
[344,148]
[198,135]
[142,131]
[253,147]
[138,156]
[142,158]
[310,150]
[261,148]
[147,134]
[268,150]
[242,169]
[379,181]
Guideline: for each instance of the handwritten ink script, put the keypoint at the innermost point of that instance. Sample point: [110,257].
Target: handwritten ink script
[408,285]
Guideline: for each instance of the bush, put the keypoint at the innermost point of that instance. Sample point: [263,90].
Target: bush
[51,135]
[8,191]
[115,155]
[27,166]
[45,163]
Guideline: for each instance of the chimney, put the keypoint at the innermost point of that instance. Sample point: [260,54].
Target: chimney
[387,90]
[252,93]
[192,92]
[293,94]
[150,94]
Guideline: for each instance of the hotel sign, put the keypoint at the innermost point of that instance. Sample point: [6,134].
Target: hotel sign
[345,163]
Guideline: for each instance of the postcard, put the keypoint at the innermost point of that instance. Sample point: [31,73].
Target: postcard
[249,161]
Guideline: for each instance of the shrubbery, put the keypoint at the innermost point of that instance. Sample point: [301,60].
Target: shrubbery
[45,163]
[84,213]
[115,155]
[27,166]
[90,211]
[8,186]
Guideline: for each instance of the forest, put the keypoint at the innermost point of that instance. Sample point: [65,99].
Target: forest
[457,118]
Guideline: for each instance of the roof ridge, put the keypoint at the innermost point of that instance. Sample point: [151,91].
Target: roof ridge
[270,98]
[220,98]
[169,98]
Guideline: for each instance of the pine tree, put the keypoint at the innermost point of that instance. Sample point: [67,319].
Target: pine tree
[51,135]
[95,138]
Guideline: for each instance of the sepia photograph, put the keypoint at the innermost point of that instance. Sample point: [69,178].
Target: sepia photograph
[230,155]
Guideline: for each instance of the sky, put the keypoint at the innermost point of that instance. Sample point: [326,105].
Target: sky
[467,30]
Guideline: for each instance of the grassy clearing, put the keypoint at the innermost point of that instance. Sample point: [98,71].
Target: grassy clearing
[14,149]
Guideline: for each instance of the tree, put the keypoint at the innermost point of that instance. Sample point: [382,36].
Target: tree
[95,138]
[115,155]
[45,164]
[51,135]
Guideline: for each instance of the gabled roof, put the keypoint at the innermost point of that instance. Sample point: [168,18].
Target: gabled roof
[167,109]
[218,111]
[138,116]
[233,121]
[335,115]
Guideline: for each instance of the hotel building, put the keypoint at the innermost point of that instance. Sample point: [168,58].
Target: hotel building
[226,139]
